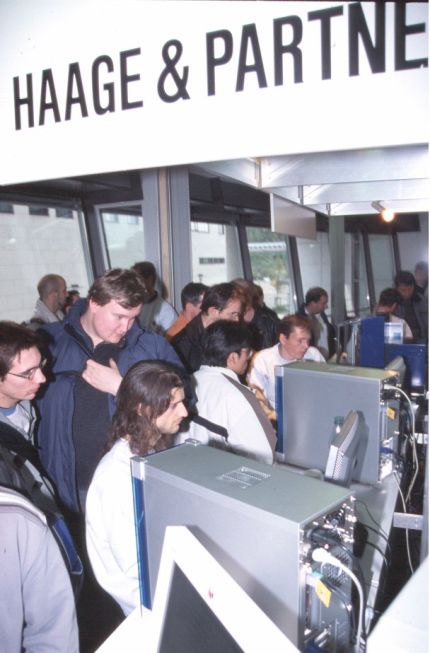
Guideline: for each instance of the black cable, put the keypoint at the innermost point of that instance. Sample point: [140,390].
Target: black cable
[380,534]
[379,551]
[372,518]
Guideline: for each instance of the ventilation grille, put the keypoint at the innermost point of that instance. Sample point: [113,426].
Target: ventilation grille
[243,477]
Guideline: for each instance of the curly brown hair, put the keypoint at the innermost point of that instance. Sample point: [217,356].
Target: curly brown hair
[145,393]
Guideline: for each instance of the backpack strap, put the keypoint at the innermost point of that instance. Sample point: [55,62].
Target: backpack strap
[210,426]
[15,442]
[256,407]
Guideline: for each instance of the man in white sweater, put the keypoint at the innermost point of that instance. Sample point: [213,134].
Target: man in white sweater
[293,345]
[229,416]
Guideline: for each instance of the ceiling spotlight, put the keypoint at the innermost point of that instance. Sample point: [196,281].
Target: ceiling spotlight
[387,215]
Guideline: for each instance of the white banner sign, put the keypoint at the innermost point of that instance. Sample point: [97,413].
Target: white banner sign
[89,86]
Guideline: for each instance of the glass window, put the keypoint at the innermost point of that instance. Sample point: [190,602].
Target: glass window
[124,235]
[215,253]
[66,214]
[382,257]
[31,248]
[5,207]
[268,252]
[38,210]
[314,260]
[201,227]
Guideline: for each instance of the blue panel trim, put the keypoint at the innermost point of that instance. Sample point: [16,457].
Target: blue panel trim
[279,405]
[141,541]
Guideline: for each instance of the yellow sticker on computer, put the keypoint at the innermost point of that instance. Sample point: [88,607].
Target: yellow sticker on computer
[323,593]
[391,413]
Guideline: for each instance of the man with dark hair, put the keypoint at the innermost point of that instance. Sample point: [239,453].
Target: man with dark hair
[150,408]
[52,291]
[21,376]
[156,314]
[323,334]
[91,351]
[410,307]
[35,619]
[386,307]
[221,302]
[229,416]
[191,300]
[293,345]
[262,321]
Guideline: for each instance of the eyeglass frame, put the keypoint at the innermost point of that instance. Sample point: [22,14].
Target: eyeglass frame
[29,375]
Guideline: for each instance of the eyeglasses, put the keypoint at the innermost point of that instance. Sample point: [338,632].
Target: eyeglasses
[29,374]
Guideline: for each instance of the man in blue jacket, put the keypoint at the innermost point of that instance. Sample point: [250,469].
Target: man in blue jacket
[91,351]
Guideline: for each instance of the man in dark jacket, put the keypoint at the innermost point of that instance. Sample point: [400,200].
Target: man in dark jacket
[91,351]
[221,302]
[323,332]
[411,307]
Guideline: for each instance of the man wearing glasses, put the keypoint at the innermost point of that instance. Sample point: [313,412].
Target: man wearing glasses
[40,618]
[21,376]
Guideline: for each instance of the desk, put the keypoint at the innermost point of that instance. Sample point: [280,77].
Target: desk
[404,625]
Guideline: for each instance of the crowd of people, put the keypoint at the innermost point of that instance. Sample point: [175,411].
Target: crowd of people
[88,383]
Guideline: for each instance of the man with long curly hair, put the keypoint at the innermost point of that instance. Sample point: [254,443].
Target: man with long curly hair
[149,411]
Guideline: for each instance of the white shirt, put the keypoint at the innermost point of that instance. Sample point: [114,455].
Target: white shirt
[262,372]
[110,530]
[157,315]
[222,403]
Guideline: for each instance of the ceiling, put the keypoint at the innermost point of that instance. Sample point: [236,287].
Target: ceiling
[326,184]
[339,183]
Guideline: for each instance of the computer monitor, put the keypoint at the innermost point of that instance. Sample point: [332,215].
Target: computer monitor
[415,357]
[342,456]
[199,607]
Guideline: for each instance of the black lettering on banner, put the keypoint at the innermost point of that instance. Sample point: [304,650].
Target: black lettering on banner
[109,87]
[126,79]
[75,77]
[170,70]
[325,16]
[250,36]
[45,104]
[401,32]
[22,101]
[357,26]
[211,60]
[292,48]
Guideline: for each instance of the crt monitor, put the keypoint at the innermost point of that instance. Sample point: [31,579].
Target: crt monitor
[342,456]
[198,606]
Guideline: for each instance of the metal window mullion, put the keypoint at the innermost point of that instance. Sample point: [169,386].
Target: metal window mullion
[369,271]
[294,270]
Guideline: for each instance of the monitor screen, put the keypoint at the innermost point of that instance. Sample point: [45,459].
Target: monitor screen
[198,606]
[343,451]
[189,625]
